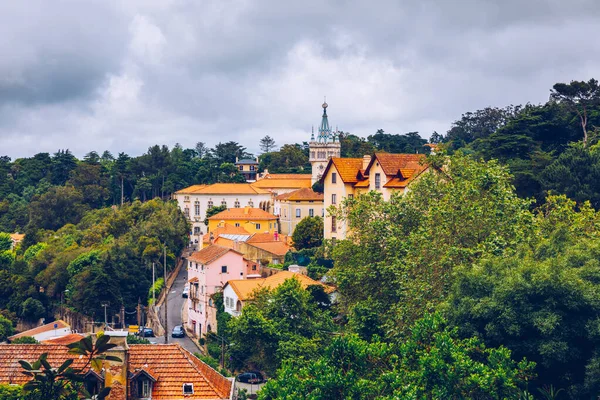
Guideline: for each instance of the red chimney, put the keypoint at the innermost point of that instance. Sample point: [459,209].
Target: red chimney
[276,236]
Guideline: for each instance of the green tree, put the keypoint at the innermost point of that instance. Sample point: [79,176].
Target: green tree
[5,241]
[59,206]
[6,328]
[540,302]
[267,144]
[32,309]
[24,340]
[308,233]
[214,210]
[581,97]
[432,364]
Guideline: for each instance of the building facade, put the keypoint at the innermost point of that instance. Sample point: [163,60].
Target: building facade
[248,168]
[195,200]
[208,271]
[348,177]
[295,206]
[253,220]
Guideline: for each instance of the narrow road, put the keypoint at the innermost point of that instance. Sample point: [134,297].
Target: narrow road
[175,303]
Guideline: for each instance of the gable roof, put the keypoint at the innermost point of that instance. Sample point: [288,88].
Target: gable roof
[223,188]
[277,248]
[17,237]
[246,161]
[168,364]
[210,254]
[348,168]
[392,163]
[172,366]
[245,288]
[246,213]
[64,340]
[305,194]
[60,324]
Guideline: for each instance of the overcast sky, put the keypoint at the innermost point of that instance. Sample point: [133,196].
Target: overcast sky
[123,75]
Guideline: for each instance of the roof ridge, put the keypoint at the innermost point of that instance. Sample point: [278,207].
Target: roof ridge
[193,364]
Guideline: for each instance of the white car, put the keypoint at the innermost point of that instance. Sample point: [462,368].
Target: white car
[186,291]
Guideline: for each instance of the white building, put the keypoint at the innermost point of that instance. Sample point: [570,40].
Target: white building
[195,200]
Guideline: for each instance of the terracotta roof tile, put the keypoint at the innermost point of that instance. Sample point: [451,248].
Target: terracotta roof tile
[17,237]
[245,288]
[223,188]
[289,176]
[348,168]
[266,237]
[246,213]
[41,329]
[392,163]
[10,354]
[209,254]
[277,248]
[172,366]
[362,184]
[287,181]
[305,194]
[64,340]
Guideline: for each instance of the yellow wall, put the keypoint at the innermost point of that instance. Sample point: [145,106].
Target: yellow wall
[287,217]
[269,226]
[341,190]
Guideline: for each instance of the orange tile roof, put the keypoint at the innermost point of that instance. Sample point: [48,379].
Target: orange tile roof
[41,329]
[225,229]
[305,194]
[10,354]
[17,237]
[348,168]
[169,364]
[223,188]
[246,213]
[392,163]
[266,237]
[277,248]
[245,288]
[288,181]
[210,254]
[64,340]
[283,196]
[191,189]
[172,366]
[362,184]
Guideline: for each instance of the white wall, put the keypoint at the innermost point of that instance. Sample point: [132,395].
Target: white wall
[228,292]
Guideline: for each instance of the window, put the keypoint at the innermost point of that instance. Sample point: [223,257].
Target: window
[188,388]
[252,168]
[144,388]
[186,198]
[210,204]
[333,177]
[311,212]
[224,203]
[241,167]
[254,267]
[224,269]
[196,230]
[350,196]
[312,154]
[237,224]
[322,212]
[378,181]
[257,226]
[298,213]
[236,204]
[186,211]
[251,204]
[333,225]
[197,208]
[334,198]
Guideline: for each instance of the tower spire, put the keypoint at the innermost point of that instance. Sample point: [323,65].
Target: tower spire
[324,128]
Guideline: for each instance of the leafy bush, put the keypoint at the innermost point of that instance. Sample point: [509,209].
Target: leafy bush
[6,328]
[156,288]
[132,339]
[32,309]
[10,392]
[24,340]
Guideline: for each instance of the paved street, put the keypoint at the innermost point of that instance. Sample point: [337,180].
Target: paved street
[175,304]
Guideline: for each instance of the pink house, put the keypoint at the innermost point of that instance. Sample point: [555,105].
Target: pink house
[208,271]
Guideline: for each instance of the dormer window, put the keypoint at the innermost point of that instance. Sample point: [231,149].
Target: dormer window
[144,388]
[142,383]
[188,388]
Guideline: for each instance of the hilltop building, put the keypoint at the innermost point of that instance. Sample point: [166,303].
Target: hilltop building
[295,206]
[383,172]
[326,146]
[278,184]
[248,168]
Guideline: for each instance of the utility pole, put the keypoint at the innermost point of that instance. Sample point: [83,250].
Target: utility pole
[105,304]
[166,294]
[153,287]
[139,312]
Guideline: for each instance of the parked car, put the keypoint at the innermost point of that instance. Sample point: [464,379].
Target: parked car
[186,291]
[253,377]
[146,332]
[178,332]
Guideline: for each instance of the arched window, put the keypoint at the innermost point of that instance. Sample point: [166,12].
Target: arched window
[238,306]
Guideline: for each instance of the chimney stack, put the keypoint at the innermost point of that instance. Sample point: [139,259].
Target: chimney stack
[246,210]
[366,161]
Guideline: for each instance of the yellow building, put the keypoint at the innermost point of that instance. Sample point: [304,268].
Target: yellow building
[253,220]
[248,168]
[382,172]
[295,206]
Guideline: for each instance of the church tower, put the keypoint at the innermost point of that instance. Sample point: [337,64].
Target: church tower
[326,145]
